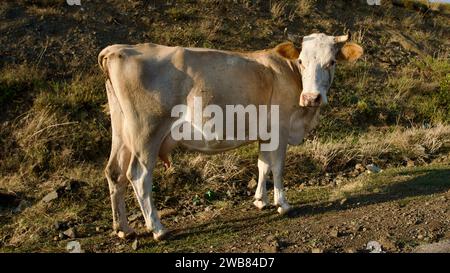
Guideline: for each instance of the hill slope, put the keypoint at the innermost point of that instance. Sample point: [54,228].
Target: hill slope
[390,108]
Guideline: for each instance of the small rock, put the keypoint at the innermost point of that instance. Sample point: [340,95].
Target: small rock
[121,234]
[135,245]
[56,238]
[74,247]
[50,197]
[61,235]
[316,250]
[98,229]
[372,168]
[374,247]
[71,233]
[359,167]
[252,184]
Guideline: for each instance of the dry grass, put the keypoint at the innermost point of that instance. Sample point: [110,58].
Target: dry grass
[381,148]
[359,36]
[278,11]
[305,7]
[211,28]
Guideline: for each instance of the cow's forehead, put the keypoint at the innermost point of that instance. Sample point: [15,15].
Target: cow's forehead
[317,45]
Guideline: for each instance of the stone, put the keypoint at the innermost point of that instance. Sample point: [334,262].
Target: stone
[135,245]
[71,233]
[50,197]
[74,247]
[252,184]
[374,247]
[359,167]
[372,168]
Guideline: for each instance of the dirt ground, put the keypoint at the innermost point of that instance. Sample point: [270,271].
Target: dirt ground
[401,210]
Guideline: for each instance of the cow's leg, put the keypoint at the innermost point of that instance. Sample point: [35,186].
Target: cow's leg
[277,159]
[261,199]
[115,173]
[117,166]
[140,173]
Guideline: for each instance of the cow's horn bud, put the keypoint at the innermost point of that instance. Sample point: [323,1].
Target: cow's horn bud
[341,39]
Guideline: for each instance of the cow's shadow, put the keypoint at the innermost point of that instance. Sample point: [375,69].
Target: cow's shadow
[427,182]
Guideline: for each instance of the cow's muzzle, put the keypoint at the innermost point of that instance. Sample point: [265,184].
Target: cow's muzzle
[310,99]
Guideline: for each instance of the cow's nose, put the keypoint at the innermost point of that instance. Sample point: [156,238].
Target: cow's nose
[312,99]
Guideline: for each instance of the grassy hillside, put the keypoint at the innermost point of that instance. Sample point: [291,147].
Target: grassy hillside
[390,108]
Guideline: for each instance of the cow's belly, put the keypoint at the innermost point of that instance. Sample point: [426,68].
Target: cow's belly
[208,147]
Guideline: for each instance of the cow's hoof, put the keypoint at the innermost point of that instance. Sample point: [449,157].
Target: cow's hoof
[260,204]
[283,209]
[129,234]
[160,235]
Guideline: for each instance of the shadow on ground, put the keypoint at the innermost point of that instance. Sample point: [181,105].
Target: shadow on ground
[425,182]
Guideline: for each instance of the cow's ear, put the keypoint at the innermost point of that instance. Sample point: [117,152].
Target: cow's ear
[287,50]
[349,52]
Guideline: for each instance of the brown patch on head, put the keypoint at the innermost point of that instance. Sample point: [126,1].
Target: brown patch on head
[287,50]
[349,52]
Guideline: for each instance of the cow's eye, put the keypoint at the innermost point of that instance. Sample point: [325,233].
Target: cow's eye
[330,64]
[301,64]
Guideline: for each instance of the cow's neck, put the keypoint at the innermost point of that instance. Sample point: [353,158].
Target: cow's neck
[302,121]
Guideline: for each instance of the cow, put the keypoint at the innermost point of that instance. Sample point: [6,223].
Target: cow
[144,82]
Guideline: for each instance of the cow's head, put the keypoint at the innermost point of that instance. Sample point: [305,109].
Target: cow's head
[317,61]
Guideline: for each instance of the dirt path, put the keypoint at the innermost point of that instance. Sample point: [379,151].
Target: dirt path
[399,208]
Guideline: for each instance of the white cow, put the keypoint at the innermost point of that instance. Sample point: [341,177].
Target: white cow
[146,81]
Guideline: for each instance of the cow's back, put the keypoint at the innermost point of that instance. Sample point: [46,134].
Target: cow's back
[171,74]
